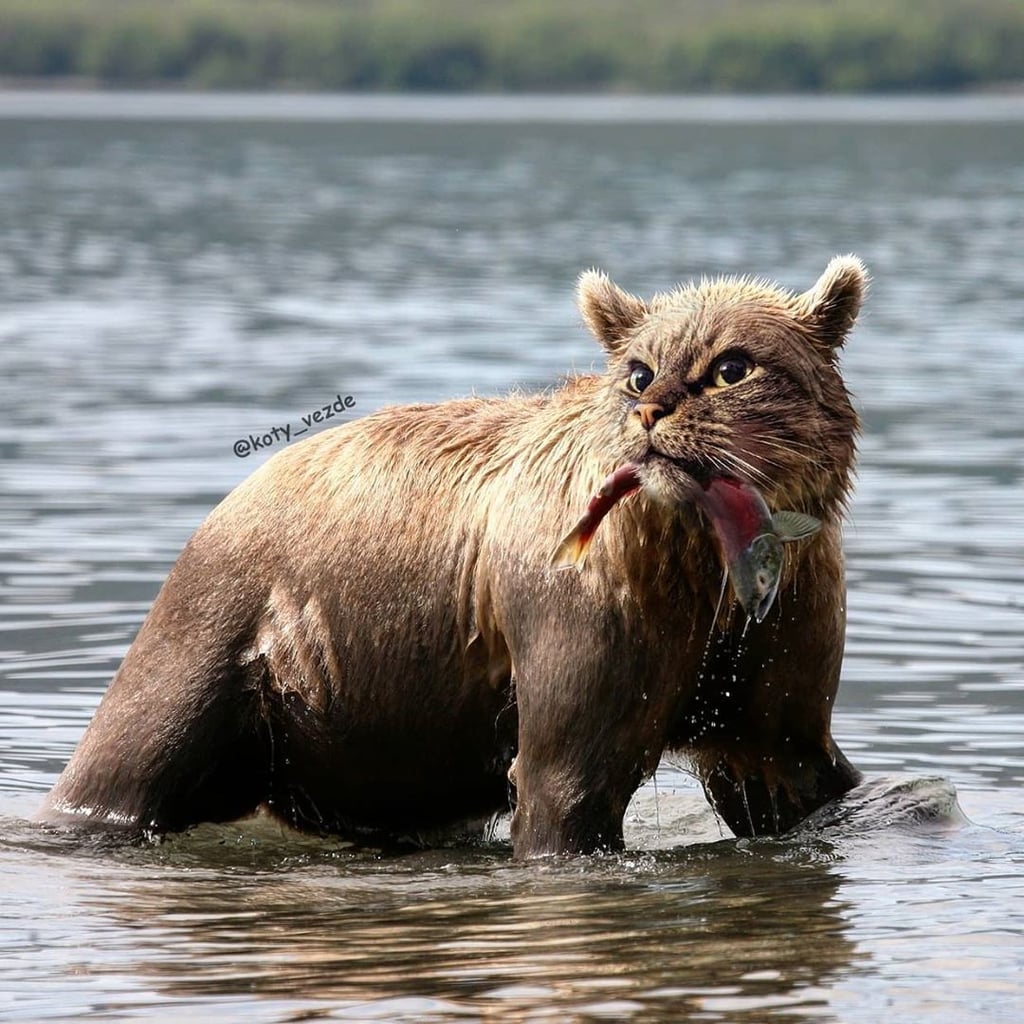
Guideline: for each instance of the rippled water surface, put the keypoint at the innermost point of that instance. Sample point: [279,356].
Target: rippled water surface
[171,283]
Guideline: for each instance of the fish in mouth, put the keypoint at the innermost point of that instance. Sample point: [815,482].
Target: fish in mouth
[749,534]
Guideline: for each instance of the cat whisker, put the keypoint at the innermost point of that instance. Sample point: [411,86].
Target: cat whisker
[730,463]
[798,452]
[745,467]
[802,452]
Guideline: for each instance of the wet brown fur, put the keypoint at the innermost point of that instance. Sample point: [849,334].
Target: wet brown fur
[366,632]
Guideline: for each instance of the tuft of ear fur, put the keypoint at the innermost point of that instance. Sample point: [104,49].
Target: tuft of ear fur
[832,305]
[607,310]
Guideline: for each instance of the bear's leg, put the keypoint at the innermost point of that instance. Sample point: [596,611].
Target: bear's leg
[558,809]
[760,792]
[577,764]
[180,735]
[761,735]
[171,744]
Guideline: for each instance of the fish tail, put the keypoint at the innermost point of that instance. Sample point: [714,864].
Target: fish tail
[572,552]
[790,526]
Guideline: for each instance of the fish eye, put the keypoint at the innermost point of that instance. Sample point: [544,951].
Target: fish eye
[640,377]
[730,369]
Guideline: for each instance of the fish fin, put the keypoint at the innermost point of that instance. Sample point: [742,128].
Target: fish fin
[789,525]
[572,552]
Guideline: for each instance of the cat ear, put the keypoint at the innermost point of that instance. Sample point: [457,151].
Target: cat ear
[832,305]
[607,310]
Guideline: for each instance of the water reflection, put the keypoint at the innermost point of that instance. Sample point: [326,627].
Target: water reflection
[299,927]
[713,930]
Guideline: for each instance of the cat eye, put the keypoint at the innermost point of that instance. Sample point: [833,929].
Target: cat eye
[640,377]
[730,370]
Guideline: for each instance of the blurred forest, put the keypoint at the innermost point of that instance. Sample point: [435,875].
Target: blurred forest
[510,45]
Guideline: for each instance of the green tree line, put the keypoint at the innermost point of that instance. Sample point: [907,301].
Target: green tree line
[496,45]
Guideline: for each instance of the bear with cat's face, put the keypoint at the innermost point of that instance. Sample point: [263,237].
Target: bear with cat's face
[366,635]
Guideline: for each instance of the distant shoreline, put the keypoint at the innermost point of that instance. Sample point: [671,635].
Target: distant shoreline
[496,108]
[467,46]
[81,84]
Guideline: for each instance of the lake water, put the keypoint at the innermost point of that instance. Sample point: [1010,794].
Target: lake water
[177,275]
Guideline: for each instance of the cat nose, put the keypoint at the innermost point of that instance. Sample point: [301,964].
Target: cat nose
[650,413]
